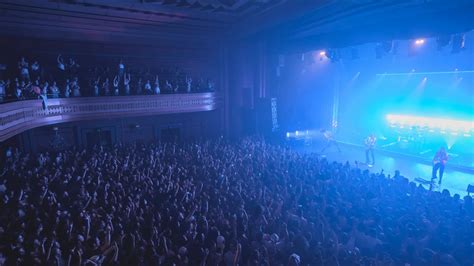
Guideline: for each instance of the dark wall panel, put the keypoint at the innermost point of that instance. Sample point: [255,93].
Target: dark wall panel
[127,130]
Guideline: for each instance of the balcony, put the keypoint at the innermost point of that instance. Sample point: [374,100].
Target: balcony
[17,117]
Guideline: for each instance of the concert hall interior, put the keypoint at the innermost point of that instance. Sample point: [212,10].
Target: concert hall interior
[236,132]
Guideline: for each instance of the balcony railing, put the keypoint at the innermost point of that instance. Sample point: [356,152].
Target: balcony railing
[16,117]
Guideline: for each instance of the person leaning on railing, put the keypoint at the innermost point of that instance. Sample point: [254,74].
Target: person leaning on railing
[3,89]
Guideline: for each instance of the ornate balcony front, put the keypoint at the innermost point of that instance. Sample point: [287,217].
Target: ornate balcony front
[17,117]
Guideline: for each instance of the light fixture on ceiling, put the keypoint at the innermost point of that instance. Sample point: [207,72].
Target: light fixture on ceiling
[458,43]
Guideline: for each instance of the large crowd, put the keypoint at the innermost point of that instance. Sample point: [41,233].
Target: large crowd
[67,78]
[221,203]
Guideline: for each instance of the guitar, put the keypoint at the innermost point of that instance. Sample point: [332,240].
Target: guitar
[439,161]
[328,135]
[440,157]
[370,142]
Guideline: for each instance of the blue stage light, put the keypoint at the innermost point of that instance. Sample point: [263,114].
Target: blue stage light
[443,124]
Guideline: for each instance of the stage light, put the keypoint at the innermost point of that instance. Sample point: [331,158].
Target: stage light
[420,41]
[442,124]
[458,43]
[333,54]
[287,134]
[383,48]
[413,72]
[322,55]
[443,41]
[297,132]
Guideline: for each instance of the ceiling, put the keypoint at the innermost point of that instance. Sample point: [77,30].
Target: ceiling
[229,7]
[128,21]
[284,24]
[345,23]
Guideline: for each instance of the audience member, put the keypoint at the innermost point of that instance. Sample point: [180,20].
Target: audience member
[116,85]
[96,87]
[67,89]
[23,67]
[157,85]
[221,203]
[126,83]
[148,87]
[76,90]
[70,72]
[3,89]
[55,90]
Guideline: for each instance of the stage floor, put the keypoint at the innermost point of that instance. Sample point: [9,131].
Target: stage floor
[456,181]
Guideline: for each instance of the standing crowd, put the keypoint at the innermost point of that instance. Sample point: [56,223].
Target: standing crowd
[66,78]
[221,203]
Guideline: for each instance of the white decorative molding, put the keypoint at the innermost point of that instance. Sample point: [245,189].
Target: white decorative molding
[17,117]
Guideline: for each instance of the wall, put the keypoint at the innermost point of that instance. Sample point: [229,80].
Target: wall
[125,130]
[247,66]
[304,86]
[154,53]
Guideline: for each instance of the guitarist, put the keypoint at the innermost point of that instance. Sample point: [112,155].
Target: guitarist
[330,140]
[369,149]
[439,162]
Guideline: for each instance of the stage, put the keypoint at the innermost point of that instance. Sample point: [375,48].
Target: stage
[455,179]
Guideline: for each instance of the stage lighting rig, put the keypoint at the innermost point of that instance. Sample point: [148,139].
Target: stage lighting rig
[420,41]
[458,43]
[354,53]
[334,55]
[443,41]
[383,48]
[440,124]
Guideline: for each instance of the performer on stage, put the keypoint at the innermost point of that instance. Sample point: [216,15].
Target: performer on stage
[439,162]
[369,149]
[330,140]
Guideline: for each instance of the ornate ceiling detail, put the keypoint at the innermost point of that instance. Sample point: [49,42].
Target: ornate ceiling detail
[231,7]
